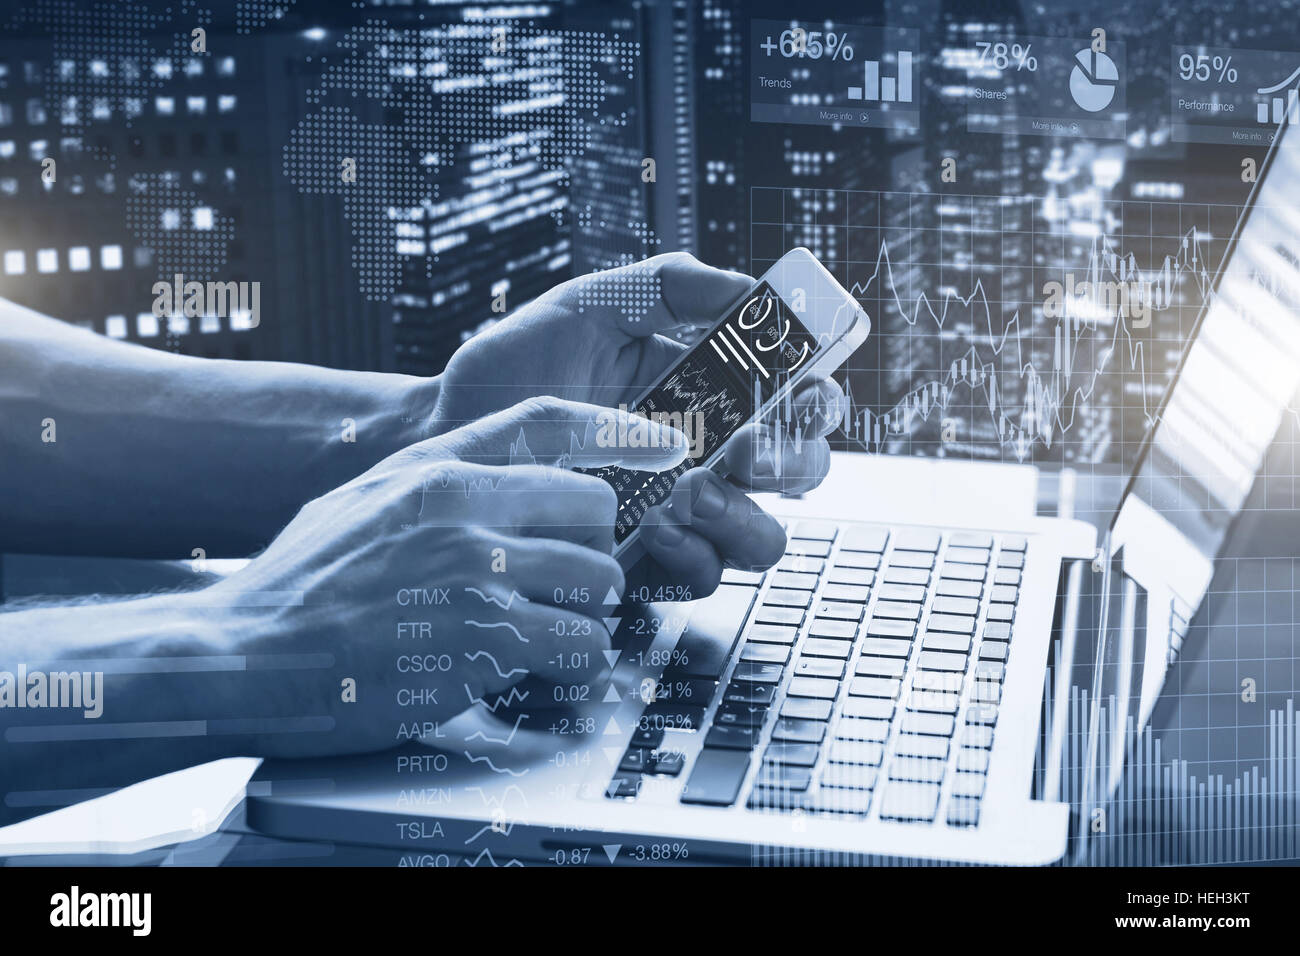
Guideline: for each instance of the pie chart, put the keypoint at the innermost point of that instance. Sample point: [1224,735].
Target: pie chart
[1093,80]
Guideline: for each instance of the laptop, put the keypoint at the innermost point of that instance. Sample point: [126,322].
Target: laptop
[895,687]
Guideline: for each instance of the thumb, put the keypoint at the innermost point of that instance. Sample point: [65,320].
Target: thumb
[553,431]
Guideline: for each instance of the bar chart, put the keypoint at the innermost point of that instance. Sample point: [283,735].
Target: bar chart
[888,89]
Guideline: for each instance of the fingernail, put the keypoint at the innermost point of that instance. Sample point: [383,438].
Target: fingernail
[709,502]
[668,534]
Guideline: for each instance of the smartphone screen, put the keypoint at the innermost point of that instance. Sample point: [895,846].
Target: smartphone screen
[715,388]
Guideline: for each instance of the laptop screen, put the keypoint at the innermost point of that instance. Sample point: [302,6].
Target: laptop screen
[1238,377]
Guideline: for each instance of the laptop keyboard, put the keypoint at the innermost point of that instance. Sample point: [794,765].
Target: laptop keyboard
[867,681]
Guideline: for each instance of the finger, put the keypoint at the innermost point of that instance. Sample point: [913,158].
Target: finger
[744,535]
[760,458]
[567,434]
[680,556]
[814,412]
[562,574]
[686,292]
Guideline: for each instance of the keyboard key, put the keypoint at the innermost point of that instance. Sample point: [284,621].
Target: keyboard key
[797,755]
[953,588]
[914,745]
[977,736]
[973,761]
[962,572]
[963,812]
[791,616]
[911,559]
[1009,559]
[839,611]
[940,725]
[993,651]
[952,623]
[774,798]
[936,641]
[757,673]
[989,670]
[907,576]
[874,687]
[743,692]
[799,731]
[864,538]
[787,597]
[859,560]
[986,692]
[939,661]
[917,768]
[673,715]
[968,784]
[1001,612]
[792,579]
[734,576]
[783,777]
[967,556]
[815,549]
[855,576]
[819,667]
[813,687]
[776,653]
[910,801]
[815,530]
[1008,576]
[732,714]
[624,785]
[884,647]
[801,564]
[901,592]
[667,763]
[827,627]
[840,801]
[1014,543]
[849,776]
[772,633]
[855,751]
[898,610]
[970,539]
[948,683]
[636,760]
[846,592]
[880,667]
[1004,593]
[933,701]
[806,708]
[955,605]
[978,713]
[713,630]
[888,628]
[825,647]
[717,777]
[916,539]
[876,708]
[858,728]
[997,631]
[648,737]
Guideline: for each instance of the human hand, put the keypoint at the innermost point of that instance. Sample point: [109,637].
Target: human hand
[448,570]
[582,341]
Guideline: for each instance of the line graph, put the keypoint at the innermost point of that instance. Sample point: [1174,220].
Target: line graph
[1014,328]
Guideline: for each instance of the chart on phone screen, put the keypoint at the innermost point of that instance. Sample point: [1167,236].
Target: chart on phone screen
[713,391]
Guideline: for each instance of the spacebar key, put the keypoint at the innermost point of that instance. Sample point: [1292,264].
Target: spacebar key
[715,623]
[717,777]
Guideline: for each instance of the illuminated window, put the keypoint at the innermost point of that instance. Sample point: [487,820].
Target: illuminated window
[39,149]
[15,262]
[171,219]
[165,105]
[47,260]
[110,257]
[202,217]
[225,103]
[36,114]
[162,68]
[79,258]
[241,320]
[67,69]
[99,108]
[115,326]
[7,149]
[226,66]
[178,324]
[146,325]
[209,324]
[6,114]
[98,68]
[193,66]
[196,104]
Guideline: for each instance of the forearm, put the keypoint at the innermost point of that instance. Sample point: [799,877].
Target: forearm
[114,449]
[162,683]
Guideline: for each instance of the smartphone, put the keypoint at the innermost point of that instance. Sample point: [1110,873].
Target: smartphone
[797,322]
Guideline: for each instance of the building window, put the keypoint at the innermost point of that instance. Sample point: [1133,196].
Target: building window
[47,260]
[146,325]
[115,326]
[202,217]
[15,262]
[110,257]
[79,258]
